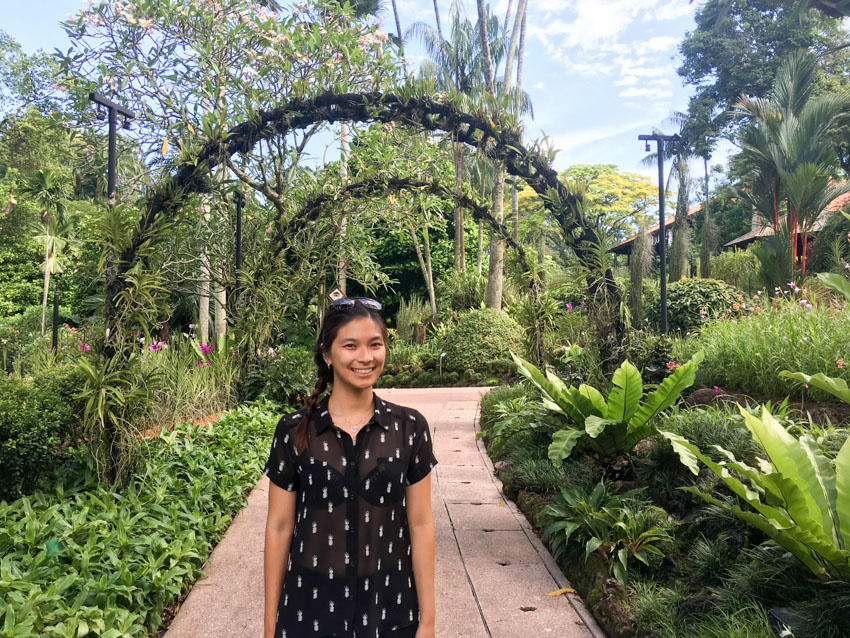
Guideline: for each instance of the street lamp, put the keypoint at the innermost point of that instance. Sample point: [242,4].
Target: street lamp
[662,228]
[113,110]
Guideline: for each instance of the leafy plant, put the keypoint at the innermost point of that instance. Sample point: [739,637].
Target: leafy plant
[609,426]
[836,283]
[481,336]
[619,527]
[800,499]
[694,302]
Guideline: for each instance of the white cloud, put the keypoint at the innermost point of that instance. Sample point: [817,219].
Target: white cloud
[538,85]
[583,137]
[673,10]
[651,92]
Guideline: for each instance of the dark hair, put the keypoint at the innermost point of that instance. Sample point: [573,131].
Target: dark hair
[333,321]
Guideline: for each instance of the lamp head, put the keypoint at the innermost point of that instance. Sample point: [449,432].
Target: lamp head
[646,148]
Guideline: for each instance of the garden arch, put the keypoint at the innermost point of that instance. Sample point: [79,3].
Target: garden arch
[476,129]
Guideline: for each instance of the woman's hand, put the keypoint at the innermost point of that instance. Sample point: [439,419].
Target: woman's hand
[425,630]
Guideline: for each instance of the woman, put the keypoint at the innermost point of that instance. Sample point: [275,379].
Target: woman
[349,550]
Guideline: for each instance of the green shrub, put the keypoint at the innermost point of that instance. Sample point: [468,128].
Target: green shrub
[451,378]
[739,268]
[695,302]
[287,375]
[31,425]
[748,354]
[650,354]
[460,289]
[114,561]
[481,337]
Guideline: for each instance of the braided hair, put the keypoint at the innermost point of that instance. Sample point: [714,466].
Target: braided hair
[333,321]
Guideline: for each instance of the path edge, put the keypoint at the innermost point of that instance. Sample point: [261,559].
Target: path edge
[551,566]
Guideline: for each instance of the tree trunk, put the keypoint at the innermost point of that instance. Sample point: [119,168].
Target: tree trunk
[342,274]
[437,15]
[486,59]
[204,286]
[400,38]
[425,267]
[480,253]
[220,306]
[459,251]
[493,298]
[679,248]
[46,276]
[706,247]
[517,107]
[429,281]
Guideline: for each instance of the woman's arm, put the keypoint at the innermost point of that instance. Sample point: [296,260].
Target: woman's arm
[421,521]
[279,525]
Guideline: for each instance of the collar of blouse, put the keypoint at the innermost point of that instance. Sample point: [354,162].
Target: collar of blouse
[322,417]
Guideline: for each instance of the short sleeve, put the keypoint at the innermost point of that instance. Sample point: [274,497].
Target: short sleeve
[281,468]
[422,459]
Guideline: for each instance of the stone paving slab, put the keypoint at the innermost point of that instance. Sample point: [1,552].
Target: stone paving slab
[489,584]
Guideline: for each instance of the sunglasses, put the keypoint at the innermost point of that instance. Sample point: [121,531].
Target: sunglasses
[348,302]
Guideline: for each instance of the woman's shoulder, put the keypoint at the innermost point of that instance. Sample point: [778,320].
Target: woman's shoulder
[291,419]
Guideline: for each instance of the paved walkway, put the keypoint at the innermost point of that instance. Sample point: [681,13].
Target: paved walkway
[492,573]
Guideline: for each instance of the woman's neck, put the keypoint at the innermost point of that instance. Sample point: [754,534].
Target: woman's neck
[348,400]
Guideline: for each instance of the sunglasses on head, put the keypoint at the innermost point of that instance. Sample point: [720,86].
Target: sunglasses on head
[348,302]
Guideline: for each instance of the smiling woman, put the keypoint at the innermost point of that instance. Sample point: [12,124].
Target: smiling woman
[349,544]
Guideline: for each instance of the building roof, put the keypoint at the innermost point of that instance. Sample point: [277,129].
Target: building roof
[767,231]
[624,246]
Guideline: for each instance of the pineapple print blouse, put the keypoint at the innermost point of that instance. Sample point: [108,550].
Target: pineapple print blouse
[350,571]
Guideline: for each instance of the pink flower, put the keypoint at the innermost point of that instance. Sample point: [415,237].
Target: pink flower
[672,365]
[569,307]
[84,347]
[270,351]
[199,363]
[206,347]
[840,364]
[716,389]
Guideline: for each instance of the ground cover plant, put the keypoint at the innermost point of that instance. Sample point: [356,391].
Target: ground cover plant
[80,559]
[717,568]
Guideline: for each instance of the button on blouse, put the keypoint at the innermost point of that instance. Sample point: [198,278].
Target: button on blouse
[350,570]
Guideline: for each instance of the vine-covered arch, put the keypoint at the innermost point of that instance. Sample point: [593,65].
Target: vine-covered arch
[479,130]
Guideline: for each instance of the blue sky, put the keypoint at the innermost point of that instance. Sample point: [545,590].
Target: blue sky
[599,72]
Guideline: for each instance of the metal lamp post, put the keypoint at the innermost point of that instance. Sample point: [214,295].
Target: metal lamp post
[662,228]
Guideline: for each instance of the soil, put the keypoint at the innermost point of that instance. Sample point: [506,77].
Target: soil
[820,411]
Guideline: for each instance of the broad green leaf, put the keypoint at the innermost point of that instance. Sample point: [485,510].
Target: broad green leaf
[823,489]
[685,452]
[667,392]
[592,545]
[595,397]
[563,442]
[836,283]
[792,464]
[594,425]
[842,492]
[834,385]
[550,390]
[624,398]
[786,541]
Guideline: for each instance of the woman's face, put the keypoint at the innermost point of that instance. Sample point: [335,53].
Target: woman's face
[357,354]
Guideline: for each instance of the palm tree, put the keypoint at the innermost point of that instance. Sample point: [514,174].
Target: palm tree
[49,191]
[787,149]
[455,66]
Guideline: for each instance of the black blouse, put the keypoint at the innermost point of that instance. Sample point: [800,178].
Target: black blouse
[350,570]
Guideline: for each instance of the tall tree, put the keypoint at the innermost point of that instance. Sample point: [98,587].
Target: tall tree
[738,46]
[785,142]
[49,191]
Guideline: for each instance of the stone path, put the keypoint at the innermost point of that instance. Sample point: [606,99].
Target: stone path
[492,572]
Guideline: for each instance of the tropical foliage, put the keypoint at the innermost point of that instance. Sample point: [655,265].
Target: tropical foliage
[612,425]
